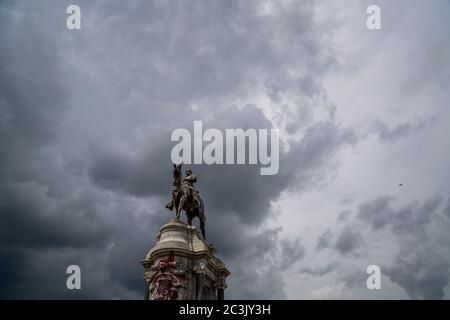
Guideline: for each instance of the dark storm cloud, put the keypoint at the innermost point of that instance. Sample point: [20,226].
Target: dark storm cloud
[421,265]
[32,219]
[86,118]
[447,208]
[30,107]
[256,258]
[140,176]
[12,272]
[91,230]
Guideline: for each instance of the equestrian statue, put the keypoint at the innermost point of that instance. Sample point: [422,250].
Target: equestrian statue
[185,197]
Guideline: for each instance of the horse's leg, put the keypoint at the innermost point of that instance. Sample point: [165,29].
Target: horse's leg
[189,216]
[202,218]
[180,206]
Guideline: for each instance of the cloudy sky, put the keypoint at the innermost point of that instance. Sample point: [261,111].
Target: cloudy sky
[86,117]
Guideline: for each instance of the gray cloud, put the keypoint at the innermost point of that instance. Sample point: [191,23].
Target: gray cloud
[352,279]
[422,269]
[291,252]
[421,265]
[31,218]
[410,218]
[320,271]
[343,215]
[324,241]
[86,122]
[447,208]
[395,133]
[348,241]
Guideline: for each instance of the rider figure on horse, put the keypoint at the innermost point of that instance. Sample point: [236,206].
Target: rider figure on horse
[189,181]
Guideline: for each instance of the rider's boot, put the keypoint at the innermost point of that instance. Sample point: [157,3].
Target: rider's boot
[170,205]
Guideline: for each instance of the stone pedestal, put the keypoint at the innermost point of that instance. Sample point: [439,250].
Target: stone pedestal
[183,266]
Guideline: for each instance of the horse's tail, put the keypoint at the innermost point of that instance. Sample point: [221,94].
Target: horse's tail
[202,218]
[202,228]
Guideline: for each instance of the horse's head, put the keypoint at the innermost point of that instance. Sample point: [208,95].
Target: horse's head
[177,174]
[177,168]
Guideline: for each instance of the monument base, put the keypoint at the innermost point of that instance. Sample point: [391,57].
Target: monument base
[183,266]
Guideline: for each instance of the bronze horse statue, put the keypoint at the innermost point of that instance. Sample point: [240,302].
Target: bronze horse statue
[183,199]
